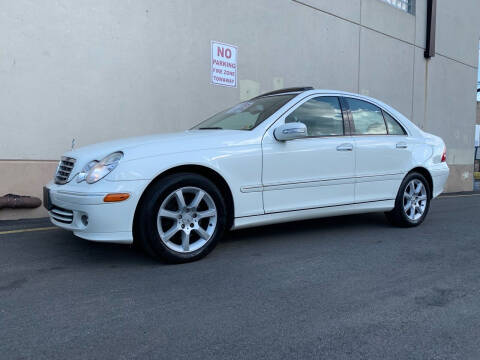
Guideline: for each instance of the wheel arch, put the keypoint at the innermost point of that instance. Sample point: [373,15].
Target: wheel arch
[426,174]
[205,171]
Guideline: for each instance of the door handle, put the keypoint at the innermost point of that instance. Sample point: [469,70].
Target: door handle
[401,145]
[345,147]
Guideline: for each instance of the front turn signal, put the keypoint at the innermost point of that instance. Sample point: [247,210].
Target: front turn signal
[116,197]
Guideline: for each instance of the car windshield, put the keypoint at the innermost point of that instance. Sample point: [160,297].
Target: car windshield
[246,115]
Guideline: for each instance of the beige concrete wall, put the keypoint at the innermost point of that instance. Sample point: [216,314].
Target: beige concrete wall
[96,70]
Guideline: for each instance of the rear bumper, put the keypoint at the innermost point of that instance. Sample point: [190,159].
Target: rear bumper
[89,217]
[439,175]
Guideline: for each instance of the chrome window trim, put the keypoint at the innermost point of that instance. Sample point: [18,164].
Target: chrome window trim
[394,119]
[343,96]
[346,97]
[302,101]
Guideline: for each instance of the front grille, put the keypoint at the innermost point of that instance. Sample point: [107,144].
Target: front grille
[64,170]
[61,215]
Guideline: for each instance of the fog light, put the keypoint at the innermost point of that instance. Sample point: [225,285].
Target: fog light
[84,220]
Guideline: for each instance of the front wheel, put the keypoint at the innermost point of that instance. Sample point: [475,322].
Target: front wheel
[412,202]
[181,218]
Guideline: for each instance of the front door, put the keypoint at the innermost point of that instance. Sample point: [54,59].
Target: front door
[311,172]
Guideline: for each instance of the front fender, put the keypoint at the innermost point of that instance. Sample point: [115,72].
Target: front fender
[240,167]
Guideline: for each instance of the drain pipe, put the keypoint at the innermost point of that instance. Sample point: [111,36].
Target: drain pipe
[11,201]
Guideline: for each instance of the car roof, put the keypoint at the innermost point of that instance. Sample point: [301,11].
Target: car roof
[308,90]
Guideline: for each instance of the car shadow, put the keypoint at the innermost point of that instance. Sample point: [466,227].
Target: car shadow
[102,254]
[83,252]
[351,223]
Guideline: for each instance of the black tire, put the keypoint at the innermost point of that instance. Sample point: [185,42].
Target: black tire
[146,233]
[398,216]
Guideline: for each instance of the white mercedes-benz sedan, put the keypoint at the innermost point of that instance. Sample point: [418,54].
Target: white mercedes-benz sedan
[287,155]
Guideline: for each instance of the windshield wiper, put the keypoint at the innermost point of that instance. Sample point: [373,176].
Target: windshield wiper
[211,128]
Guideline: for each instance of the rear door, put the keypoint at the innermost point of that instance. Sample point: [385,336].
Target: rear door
[383,151]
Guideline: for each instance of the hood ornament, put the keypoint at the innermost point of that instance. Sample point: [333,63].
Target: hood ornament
[73,143]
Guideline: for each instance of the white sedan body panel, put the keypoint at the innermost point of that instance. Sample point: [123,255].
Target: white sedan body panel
[109,222]
[234,155]
[270,181]
[306,173]
[380,166]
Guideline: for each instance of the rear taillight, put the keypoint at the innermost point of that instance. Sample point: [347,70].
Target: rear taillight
[444,155]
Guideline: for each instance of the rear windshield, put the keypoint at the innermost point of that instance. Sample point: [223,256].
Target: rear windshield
[246,115]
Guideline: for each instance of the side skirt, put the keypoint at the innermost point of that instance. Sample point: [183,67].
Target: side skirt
[280,217]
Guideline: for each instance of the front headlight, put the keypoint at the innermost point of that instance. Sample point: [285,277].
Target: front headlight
[104,167]
[83,174]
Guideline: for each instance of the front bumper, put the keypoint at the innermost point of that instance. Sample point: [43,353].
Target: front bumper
[81,209]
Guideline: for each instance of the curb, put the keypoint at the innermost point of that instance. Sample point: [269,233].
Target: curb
[22,224]
[460,193]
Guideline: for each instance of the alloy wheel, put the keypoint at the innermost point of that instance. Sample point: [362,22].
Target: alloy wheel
[187,219]
[415,199]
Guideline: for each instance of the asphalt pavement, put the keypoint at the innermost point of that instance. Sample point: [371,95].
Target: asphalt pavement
[337,288]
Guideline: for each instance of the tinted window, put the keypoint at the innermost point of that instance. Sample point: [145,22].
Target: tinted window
[394,128]
[246,115]
[367,118]
[321,115]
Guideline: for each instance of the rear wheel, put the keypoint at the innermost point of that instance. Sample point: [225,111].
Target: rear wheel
[412,202]
[181,218]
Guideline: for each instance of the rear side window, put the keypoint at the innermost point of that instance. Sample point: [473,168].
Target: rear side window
[367,118]
[321,115]
[394,128]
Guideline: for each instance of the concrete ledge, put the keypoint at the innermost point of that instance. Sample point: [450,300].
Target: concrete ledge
[29,177]
[460,178]
[25,178]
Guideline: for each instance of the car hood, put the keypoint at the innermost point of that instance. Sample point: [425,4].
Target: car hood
[138,147]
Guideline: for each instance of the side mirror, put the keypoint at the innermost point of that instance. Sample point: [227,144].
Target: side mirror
[290,131]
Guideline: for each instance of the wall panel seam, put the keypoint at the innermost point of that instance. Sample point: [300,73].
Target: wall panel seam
[379,32]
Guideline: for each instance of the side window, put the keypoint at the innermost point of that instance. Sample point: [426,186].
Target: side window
[367,118]
[321,115]
[394,128]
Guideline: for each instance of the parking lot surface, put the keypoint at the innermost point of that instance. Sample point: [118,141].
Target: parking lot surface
[338,288]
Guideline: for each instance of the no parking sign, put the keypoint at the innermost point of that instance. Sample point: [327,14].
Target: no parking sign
[223,64]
